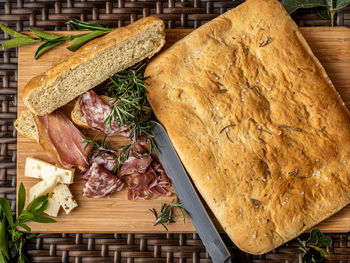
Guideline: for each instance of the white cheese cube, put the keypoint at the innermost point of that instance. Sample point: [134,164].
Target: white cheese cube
[53,206]
[42,188]
[65,197]
[39,169]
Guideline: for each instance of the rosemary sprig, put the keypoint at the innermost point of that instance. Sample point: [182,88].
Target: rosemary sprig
[130,111]
[99,146]
[166,215]
[130,107]
[52,40]
[121,154]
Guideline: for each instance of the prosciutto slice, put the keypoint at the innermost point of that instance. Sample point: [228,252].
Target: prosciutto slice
[96,110]
[63,140]
[101,183]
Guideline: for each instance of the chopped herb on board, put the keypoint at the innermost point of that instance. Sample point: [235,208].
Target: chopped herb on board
[314,248]
[166,215]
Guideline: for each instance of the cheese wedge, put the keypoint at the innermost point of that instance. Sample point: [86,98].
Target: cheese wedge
[64,197]
[36,168]
[53,206]
[42,188]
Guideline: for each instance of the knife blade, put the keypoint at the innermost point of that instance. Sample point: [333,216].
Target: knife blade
[189,197]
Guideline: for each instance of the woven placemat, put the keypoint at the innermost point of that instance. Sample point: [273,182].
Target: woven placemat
[52,15]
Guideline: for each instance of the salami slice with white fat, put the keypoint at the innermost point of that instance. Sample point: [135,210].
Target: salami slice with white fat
[145,177]
[96,111]
[105,160]
[101,183]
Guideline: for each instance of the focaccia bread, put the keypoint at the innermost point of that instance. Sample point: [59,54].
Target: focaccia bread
[257,124]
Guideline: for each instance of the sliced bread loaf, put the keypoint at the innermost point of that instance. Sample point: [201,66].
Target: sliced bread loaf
[25,125]
[94,63]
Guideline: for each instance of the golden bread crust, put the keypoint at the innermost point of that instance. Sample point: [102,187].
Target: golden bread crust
[256,122]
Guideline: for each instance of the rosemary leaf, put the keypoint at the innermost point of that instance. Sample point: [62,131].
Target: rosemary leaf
[166,215]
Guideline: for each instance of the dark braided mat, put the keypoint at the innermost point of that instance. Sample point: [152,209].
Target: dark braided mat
[51,15]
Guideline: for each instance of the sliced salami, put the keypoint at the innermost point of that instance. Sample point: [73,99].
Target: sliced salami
[101,183]
[96,111]
[163,180]
[145,177]
[105,160]
[140,185]
[135,165]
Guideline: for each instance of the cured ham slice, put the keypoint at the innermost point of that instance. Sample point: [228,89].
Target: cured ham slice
[59,136]
[96,111]
[101,183]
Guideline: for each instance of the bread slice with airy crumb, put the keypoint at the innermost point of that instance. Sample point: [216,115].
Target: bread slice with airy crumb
[94,63]
[25,125]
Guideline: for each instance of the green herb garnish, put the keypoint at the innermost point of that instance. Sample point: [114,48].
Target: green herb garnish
[166,215]
[314,248]
[130,111]
[121,153]
[130,107]
[13,240]
[52,40]
[326,9]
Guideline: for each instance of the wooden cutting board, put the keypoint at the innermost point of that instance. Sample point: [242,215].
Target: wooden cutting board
[117,214]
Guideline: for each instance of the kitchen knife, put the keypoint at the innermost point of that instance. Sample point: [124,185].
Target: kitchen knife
[189,197]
